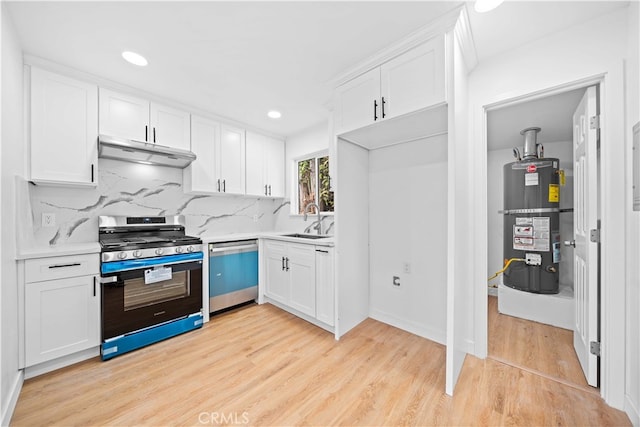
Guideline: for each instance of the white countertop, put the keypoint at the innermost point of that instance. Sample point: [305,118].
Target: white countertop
[94,247]
[275,235]
[58,250]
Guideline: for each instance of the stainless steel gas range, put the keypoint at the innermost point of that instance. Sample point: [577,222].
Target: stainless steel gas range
[151,275]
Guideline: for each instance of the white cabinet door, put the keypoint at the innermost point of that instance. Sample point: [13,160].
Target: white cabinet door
[265,165]
[301,266]
[61,317]
[255,165]
[357,102]
[201,175]
[124,116]
[413,80]
[232,160]
[325,294]
[274,167]
[170,127]
[277,278]
[64,130]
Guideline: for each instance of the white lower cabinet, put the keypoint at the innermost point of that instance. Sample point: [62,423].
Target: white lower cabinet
[325,294]
[300,277]
[301,266]
[61,314]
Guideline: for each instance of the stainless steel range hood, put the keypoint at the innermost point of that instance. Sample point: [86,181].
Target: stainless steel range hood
[110,147]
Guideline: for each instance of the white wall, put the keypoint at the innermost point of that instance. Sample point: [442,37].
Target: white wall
[12,163]
[407,213]
[632,398]
[309,141]
[496,159]
[586,51]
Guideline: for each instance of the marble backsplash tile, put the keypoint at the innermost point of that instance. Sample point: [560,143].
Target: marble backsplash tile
[137,190]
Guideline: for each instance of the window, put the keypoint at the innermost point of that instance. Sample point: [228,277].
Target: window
[314,184]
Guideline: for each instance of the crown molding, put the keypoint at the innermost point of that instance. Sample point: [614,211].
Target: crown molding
[464,36]
[434,28]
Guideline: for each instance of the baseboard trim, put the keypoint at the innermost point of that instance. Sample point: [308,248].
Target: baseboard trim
[632,411]
[10,407]
[422,331]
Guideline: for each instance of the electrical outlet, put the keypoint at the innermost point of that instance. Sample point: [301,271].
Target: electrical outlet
[406,267]
[396,281]
[255,217]
[48,219]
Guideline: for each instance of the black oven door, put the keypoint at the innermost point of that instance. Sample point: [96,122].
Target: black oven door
[159,292]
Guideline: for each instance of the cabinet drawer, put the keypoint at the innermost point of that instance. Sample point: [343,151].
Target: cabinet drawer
[40,269]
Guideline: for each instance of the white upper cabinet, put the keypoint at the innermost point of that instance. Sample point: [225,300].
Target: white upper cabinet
[220,163]
[170,127]
[414,80]
[409,82]
[64,130]
[130,117]
[201,175]
[357,101]
[265,166]
[231,160]
[124,116]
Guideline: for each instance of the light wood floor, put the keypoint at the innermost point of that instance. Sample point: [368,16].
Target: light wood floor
[262,366]
[543,349]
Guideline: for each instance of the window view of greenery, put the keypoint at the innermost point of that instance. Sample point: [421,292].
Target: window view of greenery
[314,185]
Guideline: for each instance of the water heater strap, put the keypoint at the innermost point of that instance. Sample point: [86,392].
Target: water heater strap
[529,211]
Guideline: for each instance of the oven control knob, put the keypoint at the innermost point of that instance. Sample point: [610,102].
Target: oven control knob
[190,249]
[179,249]
[122,255]
[159,251]
[137,254]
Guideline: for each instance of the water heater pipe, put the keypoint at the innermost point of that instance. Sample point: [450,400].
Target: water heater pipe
[530,142]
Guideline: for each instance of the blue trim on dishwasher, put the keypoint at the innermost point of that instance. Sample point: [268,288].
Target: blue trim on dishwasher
[133,264]
[125,343]
[230,272]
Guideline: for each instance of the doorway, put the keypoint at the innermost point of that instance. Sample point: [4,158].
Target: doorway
[535,332]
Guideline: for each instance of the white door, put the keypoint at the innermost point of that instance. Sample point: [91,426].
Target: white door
[232,160]
[413,80]
[277,278]
[585,138]
[170,127]
[61,317]
[201,175]
[124,116]
[358,102]
[255,148]
[64,129]
[301,266]
[274,167]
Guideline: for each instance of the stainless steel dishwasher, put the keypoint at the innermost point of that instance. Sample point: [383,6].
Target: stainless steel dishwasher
[233,273]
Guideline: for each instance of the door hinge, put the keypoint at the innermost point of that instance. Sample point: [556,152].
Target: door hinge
[594,348]
[594,122]
[595,236]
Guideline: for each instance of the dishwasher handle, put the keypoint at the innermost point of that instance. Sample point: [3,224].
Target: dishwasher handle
[241,248]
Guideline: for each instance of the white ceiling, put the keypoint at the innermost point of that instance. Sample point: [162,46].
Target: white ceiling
[240,59]
[553,114]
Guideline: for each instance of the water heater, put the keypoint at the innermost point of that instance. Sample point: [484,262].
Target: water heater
[531,219]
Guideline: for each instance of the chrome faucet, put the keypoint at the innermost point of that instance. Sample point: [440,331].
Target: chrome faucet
[318,227]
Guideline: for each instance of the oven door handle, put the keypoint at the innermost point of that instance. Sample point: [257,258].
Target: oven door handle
[135,264]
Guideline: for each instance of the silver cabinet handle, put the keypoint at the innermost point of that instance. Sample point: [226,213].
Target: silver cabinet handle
[224,185]
[282,263]
[218,185]
[265,189]
[570,243]
[287,263]
[269,189]
[94,286]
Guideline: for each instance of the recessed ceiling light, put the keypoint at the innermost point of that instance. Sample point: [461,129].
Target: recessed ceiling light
[273,114]
[482,6]
[135,58]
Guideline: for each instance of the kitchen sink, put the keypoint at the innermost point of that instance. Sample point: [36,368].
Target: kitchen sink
[306,236]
